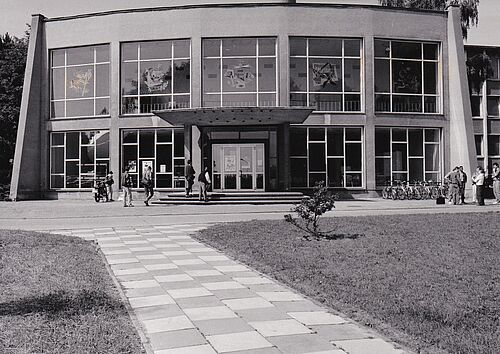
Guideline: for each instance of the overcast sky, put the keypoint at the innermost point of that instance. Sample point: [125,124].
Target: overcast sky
[14,14]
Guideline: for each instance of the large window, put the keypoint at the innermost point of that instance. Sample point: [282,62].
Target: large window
[162,149]
[78,158]
[333,155]
[407,155]
[326,73]
[239,72]
[79,82]
[155,76]
[407,77]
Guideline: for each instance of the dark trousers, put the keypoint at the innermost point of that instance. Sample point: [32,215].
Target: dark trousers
[462,193]
[480,195]
[148,191]
[189,184]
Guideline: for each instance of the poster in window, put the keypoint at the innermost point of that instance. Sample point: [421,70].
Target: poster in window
[230,163]
[146,164]
[324,74]
[239,76]
[132,166]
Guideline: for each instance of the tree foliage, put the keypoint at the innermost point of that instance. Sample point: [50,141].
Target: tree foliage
[468,9]
[13,52]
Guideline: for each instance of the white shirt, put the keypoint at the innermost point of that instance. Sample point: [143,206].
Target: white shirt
[207,177]
[479,179]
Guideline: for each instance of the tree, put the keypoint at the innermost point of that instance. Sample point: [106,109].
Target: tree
[13,52]
[468,9]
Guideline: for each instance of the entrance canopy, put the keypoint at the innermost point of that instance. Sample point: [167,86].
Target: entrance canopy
[235,116]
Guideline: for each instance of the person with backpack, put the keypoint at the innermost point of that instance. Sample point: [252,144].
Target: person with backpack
[127,184]
[204,180]
[109,185]
[189,173]
[147,181]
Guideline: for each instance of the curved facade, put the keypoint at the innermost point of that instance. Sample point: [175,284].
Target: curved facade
[270,97]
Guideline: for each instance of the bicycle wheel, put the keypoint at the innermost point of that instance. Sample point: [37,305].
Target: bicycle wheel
[385,193]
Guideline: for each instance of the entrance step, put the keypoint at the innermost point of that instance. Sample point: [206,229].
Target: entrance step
[235,198]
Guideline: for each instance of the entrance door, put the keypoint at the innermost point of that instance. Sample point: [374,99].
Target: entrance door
[238,167]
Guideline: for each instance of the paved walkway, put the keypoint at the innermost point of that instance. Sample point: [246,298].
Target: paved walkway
[189,298]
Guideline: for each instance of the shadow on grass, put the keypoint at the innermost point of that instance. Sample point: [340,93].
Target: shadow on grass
[61,303]
[335,236]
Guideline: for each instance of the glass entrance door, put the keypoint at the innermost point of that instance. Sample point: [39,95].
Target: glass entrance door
[238,167]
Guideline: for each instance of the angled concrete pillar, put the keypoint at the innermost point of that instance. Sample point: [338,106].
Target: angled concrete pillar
[26,172]
[462,146]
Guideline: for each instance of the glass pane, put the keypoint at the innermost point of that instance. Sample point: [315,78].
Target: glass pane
[399,156]
[432,135]
[156,50]
[87,159]
[298,172]
[316,134]
[416,171]
[407,103]
[163,181]
[211,48]
[179,142]
[335,172]
[181,101]
[217,159]
[146,143]
[102,80]
[102,145]
[432,177]
[475,103]
[298,142]
[129,79]
[259,156]
[430,104]
[130,157]
[382,142]
[58,84]
[353,180]
[80,108]
[239,75]
[382,171]
[230,163]
[382,103]
[298,99]
[325,46]
[353,134]
[267,74]
[163,158]
[382,48]
[398,134]
[400,176]
[87,138]
[57,139]
[130,105]
[353,157]
[57,160]
[164,136]
[352,103]
[58,57]
[325,75]
[430,78]
[267,46]
[430,51]
[83,55]
[493,88]
[335,141]
[478,139]
[494,145]
[382,75]
[326,102]
[155,103]
[315,178]
[211,75]
[80,82]
[407,50]
[406,76]
[57,181]
[432,157]
[416,141]
[493,106]
[211,100]
[130,136]
[57,109]
[102,106]
[102,53]
[102,168]
[181,76]
[156,77]
[72,174]
[352,75]
[239,47]
[297,46]
[267,100]
[246,160]
[129,51]
[230,181]
[298,74]
[182,49]
[317,158]
[352,47]
[244,100]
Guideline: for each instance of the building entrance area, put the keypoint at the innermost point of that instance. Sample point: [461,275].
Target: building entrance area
[238,167]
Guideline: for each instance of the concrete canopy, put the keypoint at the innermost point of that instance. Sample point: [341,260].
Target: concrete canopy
[235,116]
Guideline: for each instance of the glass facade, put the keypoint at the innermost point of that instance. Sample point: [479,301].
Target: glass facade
[333,155]
[407,77]
[239,72]
[162,149]
[78,158]
[79,82]
[326,73]
[155,75]
[407,154]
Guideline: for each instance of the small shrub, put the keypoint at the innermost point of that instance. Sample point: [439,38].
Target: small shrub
[310,210]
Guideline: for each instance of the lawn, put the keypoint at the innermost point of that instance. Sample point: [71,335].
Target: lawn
[430,282]
[57,297]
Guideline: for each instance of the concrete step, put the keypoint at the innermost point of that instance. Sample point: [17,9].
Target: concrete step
[195,201]
[235,198]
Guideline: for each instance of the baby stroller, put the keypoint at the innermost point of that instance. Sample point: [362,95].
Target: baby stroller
[100,191]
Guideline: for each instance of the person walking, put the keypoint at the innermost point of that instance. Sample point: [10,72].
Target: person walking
[463,183]
[189,174]
[479,181]
[204,179]
[496,182]
[454,178]
[109,185]
[126,186]
[147,182]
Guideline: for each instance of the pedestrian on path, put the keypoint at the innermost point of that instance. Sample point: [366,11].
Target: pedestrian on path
[496,182]
[204,180]
[109,185]
[147,182]
[127,184]
[463,183]
[479,181]
[189,174]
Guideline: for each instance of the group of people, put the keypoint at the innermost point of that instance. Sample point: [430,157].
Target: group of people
[104,189]
[203,180]
[457,179]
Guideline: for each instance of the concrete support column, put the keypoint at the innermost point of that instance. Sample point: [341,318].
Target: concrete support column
[114,124]
[369,106]
[196,153]
[283,71]
[285,160]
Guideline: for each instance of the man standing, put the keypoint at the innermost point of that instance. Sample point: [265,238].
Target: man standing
[496,182]
[126,185]
[204,179]
[479,181]
[454,178]
[147,181]
[463,182]
[189,174]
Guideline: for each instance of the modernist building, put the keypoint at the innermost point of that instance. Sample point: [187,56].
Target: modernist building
[272,96]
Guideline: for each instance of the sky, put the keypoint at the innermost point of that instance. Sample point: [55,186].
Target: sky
[14,14]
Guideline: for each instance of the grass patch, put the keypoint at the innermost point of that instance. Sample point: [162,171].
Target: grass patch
[430,282]
[57,297]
